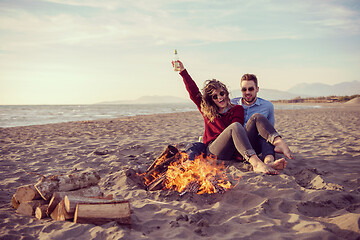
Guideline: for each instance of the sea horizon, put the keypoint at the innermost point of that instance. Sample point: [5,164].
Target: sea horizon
[27,115]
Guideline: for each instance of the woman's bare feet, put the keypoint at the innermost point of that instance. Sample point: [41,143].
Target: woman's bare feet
[259,166]
[282,147]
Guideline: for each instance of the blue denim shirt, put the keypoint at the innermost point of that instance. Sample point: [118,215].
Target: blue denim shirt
[261,106]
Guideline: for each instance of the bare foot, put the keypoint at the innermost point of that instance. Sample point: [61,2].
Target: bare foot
[279,164]
[259,166]
[282,147]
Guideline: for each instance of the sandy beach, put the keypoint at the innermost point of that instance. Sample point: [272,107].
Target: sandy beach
[316,197]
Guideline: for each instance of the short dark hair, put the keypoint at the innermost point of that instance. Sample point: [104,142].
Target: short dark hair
[250,77]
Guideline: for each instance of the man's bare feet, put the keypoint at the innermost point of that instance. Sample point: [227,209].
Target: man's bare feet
[282,147]
[259,166]
[279,164]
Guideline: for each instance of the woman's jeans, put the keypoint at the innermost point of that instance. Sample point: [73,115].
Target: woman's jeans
[236,138]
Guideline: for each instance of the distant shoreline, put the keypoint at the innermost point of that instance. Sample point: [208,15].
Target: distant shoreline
[312,100]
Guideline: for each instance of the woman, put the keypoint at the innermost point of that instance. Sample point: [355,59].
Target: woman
[224,133]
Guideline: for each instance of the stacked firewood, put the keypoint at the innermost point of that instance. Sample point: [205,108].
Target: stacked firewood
[74,197]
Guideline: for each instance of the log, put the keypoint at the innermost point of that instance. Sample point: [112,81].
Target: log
[101,213]
[72,201]
[155,175]
[62,183]
[28,208]
[157,184]
[93,191]
[40,212]
[60,214]
[169,151]
[160,168]
[26,193]
[14,203]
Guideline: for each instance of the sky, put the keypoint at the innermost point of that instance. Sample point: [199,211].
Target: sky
[90,51]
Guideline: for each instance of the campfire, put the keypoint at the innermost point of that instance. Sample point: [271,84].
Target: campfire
[173,170]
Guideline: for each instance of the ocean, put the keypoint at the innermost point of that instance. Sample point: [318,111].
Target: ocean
[25,115]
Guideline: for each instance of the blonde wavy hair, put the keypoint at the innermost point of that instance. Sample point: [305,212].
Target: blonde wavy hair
[208,107]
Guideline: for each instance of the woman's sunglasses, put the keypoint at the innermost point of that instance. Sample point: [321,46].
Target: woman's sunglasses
[250,89]
[215,96]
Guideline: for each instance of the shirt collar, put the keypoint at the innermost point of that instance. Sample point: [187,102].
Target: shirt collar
[257,102]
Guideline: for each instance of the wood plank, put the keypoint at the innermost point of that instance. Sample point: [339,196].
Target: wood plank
[101,213]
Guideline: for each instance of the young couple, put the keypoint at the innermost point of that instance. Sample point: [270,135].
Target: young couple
[232,132]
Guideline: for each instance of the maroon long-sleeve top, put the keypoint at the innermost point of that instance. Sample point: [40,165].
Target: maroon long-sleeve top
[212,129]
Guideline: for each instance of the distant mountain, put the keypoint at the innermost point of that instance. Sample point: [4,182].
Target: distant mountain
[299,90]
[268,94]
[150,100]
[320,89]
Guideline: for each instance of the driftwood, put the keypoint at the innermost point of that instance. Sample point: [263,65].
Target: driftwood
[14,203]
[72,201]
[93,191]
[60,214]
[40,212]
[101,213]
[28,208]
[62,183]
[26,193]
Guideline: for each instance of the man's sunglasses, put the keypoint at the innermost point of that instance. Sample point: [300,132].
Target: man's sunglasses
[250,89]
[215,96]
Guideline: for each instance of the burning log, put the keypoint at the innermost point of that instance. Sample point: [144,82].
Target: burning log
[157,183]
[61,183]
[93,191]
[168,153]
[192,187]
[173,171]
[101,213]
[159,166]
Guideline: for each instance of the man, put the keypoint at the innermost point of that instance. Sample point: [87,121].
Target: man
[253,104]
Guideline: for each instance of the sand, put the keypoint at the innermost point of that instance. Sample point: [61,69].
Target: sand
[354,101]
[316,197]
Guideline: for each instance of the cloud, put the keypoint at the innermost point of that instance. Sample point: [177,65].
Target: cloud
[96,23]
[323,17]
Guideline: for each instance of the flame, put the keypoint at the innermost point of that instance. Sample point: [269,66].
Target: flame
[202,175]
